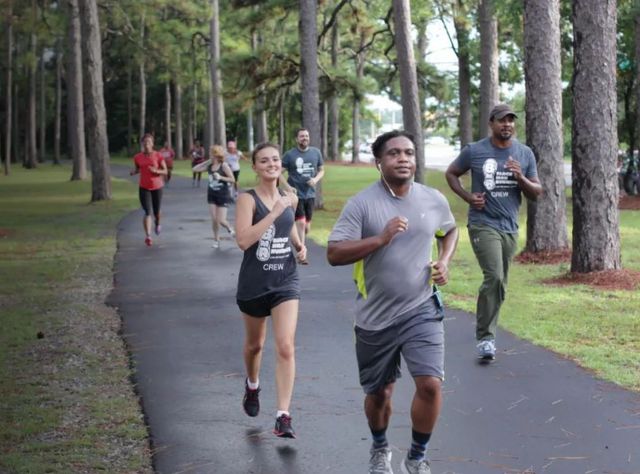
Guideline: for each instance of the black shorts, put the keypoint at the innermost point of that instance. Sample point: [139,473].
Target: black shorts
[261,306]
[236,174]
[305,209]
[218,200]
[150,199]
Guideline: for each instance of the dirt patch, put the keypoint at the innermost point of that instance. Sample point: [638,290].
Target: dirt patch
[631,203]
[552,257]
[604,280]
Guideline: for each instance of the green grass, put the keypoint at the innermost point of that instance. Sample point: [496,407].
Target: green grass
[66,398]
[599,329]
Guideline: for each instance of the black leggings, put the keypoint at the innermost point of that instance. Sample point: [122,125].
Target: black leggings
[150,199]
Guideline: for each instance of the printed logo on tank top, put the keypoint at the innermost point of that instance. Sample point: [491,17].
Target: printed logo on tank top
[271,249]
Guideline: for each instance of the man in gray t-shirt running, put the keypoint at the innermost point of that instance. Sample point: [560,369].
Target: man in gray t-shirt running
[502,169]
[304,165]
[387,231]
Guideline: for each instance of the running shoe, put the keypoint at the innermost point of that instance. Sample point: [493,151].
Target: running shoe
[232,232]
[283,427]
[415,466]
[147,241]
[158,229]
[486,349]
[215,244]
[251,400]
[380,461]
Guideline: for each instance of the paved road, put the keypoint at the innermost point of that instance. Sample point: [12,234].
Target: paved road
[529,412]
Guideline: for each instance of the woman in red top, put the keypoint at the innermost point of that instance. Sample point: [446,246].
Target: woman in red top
[152,167]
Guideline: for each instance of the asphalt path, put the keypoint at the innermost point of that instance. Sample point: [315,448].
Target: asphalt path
[530,411]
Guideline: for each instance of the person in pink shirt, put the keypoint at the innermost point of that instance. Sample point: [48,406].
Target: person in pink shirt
[152,168]
[168,154]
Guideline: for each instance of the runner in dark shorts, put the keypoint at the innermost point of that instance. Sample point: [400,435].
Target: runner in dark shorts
[268,283]
[387,231]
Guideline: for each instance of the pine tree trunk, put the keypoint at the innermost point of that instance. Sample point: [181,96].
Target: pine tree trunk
[636,27]
[308,34]
[167,113]
[219,125]
[281,122]
[178,113]
[546,217]
[32,151]
[129,111]
[411,116]
[42,152]
[96,116]
[15,127]
[250,141]
[75,94]
[355,130]
[142,125]
[324,120]
[465,119]
[596,238]
[142,118]
[58,117]
[489,80]
[9,84]
[334,112]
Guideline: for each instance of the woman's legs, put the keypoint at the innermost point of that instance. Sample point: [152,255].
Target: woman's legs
[255,334]
[221,218]
[215,224]
[285,319]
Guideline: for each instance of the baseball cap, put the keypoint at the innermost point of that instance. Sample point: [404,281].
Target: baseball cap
[500,111]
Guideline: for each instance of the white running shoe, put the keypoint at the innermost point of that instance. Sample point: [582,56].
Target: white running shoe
[380,462]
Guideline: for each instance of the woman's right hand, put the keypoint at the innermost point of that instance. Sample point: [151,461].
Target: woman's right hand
[281,204]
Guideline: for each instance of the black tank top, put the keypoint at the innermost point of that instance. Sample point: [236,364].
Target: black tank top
[217,187]
[269,265]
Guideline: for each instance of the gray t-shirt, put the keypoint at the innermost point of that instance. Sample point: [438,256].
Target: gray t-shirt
[488,175]
[393,280]
[302,166]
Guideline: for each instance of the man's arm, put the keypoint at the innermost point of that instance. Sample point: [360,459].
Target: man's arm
[446,248]
[316,179]
[453,173]
[530,187]
[346,252]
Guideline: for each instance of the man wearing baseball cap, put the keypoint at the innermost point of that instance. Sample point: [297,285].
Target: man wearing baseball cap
[502,169]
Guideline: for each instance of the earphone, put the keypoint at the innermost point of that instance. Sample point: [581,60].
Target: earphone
[384,180]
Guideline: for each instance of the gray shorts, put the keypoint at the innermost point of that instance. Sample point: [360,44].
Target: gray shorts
[419,337]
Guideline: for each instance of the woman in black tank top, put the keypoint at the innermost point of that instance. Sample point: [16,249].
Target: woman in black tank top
[268,281]
[220,181]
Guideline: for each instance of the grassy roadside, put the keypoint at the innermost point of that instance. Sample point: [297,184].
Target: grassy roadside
[65,395]
[599,329]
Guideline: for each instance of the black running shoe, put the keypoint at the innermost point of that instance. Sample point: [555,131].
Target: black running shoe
[251,400]
[283,427]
